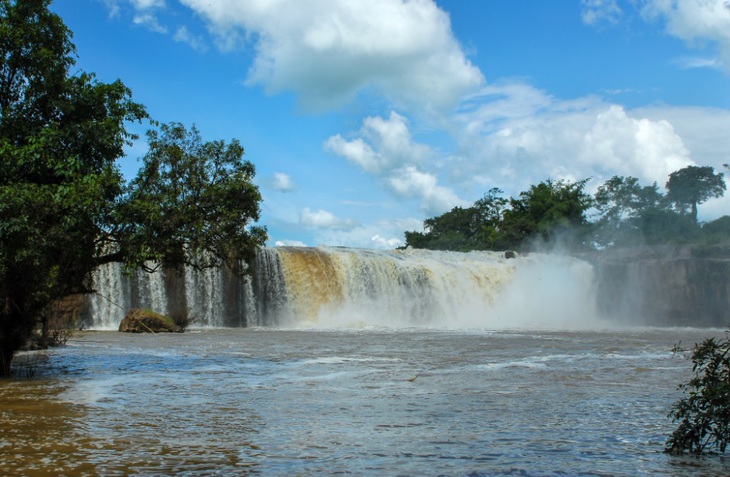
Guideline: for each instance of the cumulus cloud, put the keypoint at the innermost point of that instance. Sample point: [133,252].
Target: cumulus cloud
[410,182]
[323,219]
[282,182]
[327,51]
[384,147]
[516,134]
[695,21]
[597,11]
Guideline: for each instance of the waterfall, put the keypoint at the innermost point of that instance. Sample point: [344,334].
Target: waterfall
[341,287]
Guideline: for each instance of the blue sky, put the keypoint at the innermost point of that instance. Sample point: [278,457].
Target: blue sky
[364,117]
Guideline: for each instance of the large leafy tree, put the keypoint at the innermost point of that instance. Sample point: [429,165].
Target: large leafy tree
[192,203]
[626,210]
[693,185]
[545,210]
[64,207]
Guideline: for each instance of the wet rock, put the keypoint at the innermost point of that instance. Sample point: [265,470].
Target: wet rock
[146,321]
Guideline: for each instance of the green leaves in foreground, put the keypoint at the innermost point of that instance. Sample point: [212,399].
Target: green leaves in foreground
[704,413]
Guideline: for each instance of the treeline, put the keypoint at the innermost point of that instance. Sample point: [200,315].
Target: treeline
[622,212]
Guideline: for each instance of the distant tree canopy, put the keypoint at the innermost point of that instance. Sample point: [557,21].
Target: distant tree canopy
[693,185]
[64,205]
[623,212]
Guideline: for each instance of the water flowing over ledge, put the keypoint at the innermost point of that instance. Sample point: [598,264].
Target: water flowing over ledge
[339,287]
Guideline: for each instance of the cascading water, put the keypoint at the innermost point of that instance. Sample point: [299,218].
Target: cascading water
[339,287]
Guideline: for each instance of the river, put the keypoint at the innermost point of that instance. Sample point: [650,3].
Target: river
[371,401]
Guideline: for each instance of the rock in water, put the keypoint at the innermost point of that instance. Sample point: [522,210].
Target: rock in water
[146,321]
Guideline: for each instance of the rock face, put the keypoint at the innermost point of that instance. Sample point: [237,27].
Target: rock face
[146,321]
[665,286]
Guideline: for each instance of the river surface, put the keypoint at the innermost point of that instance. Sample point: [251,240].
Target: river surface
[354,402]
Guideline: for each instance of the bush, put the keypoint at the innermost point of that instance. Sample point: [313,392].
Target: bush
[182,318]
[704,412]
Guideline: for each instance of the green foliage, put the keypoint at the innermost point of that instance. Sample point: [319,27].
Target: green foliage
[496,223]
[64,207]
[191,204]
[716,231]
[545,210]
[463,229]
[693,185]
[704,413]
[59,138]
[453,230]
[624,209]
[555,213]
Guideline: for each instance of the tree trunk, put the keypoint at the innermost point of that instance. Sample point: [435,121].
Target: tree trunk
[6,359]
[15,330]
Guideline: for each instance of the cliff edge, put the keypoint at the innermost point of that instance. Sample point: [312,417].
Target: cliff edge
[683,285]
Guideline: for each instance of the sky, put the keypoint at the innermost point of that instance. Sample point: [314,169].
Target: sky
[365,117]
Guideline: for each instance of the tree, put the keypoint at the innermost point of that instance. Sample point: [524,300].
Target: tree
[693,185]
[189,197]
[463,229]
[620,198]
[704,413]
[546,209]
[452,230]
[64,207]
[625,208]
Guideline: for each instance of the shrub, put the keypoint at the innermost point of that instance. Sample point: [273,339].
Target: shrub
[704,411]
[182,317]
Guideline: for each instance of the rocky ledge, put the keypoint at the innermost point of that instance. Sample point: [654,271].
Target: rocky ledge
[687,285]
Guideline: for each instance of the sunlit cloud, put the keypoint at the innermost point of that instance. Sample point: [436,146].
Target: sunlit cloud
[326,51]
[384,148]
[516,134]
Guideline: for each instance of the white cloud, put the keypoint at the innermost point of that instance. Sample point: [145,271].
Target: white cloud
[282,182]
[323,219]
[515,134]
[597,11]
[385,149]
[687,63]
[149,21]
[376,241]
[695,21]
[382,234]
[328,50]
[703,130]
[383,145]
[289,243]
[147,4]
[183,35]
[410,182]
[144,12]
[113,7]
